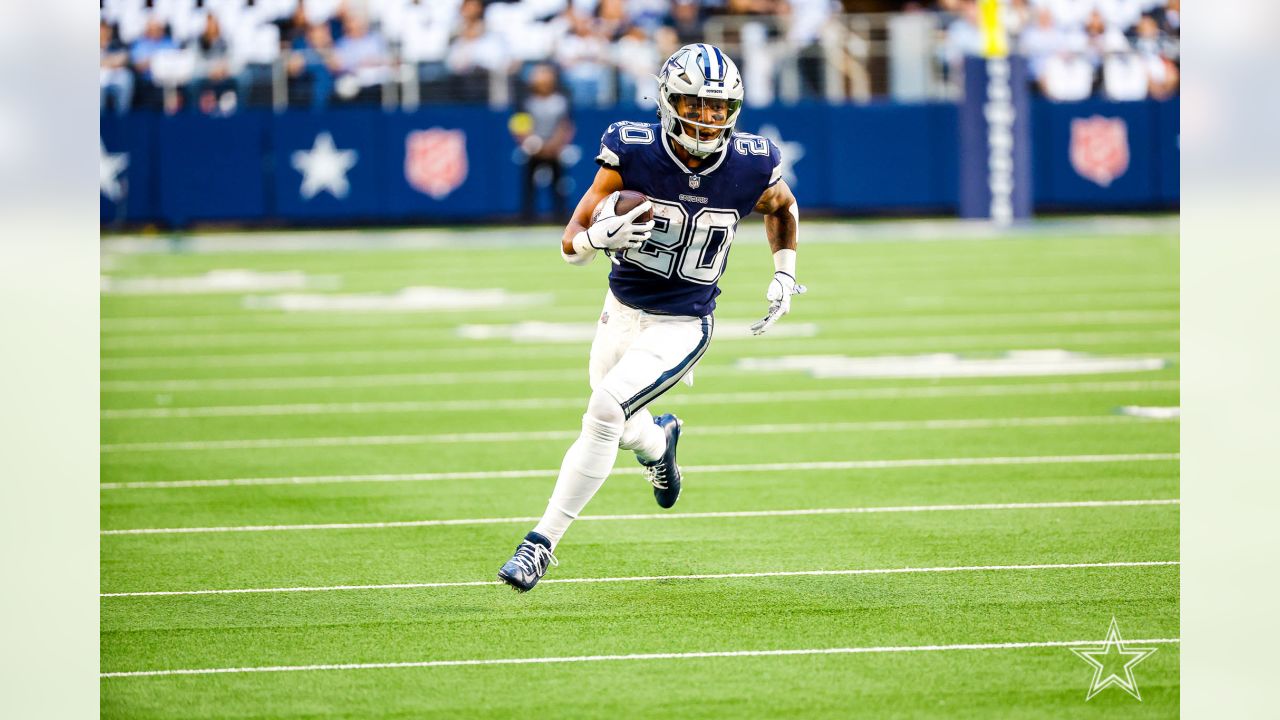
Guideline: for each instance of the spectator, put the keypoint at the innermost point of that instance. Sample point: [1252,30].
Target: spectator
[143,52]
[524,39]
[582,55]
[1169,18]
[475,49]
[964,38]
[213,88]
[611,19]
[110,12]
[362,60]
[1095,31]
[312,66]
[760,52]
[686,18]
[713,7]
[424,39]
[667,41]
[115,82]
[636,55]
[154,39]
[186,19]
[1040,42]
[473,54]
[295,28]
[321,11]
[254,41]
[130,18]
[543,134]
[1119,15]
[1124,74]
[648,14]
[1069,74]
[1017,17]
[808,18]
[1162,73]
[755,7]
[1070,14]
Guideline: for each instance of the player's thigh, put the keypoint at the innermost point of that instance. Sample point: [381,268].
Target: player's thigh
[661,353]
[616,329]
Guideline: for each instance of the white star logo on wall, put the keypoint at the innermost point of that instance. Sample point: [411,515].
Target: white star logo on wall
[110,165]
[1120,659]
[791,152]
[324,167]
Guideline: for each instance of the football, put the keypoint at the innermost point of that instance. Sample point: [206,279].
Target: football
[621,203]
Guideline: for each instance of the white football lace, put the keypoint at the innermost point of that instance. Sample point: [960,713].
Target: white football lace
[656,475]
[531,555]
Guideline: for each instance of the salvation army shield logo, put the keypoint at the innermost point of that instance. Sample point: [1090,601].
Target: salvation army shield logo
[435,161]
[1100,148]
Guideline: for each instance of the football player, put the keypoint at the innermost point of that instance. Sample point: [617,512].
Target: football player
[701,178]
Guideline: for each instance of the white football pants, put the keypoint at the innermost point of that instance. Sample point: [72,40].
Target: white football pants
[636,357]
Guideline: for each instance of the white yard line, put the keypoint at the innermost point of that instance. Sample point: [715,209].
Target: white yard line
[305,382]
[512,350]
[688,399]
[768,429]
[635,656]
[656,578]
[433,336]
[350,381]
[701,469]
[259,326]
[651,516]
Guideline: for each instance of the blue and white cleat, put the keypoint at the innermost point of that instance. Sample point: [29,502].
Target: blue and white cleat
[525,568]
[664,473]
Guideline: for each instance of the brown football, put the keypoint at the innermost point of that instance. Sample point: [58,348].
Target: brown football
[627,201]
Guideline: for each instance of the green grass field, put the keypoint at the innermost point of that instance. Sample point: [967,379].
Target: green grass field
[965,531]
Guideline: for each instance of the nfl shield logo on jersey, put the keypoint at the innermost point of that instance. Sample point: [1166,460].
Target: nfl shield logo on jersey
[435,161]
[694,181]
[1100,148]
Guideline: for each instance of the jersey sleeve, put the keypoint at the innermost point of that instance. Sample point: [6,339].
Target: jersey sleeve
[613,152]
[774,165]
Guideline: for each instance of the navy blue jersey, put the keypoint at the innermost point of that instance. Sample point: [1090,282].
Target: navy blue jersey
[696,213]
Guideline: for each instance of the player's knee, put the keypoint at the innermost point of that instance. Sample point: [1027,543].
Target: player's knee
[604,410]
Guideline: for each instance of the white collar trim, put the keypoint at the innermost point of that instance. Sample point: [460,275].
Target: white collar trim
[666,145]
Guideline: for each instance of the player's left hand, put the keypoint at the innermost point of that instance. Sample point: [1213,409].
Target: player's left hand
[781,288]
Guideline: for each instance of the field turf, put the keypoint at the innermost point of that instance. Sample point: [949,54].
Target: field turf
[910,547]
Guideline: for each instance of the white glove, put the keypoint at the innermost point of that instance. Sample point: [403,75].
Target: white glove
[781,288]
[619,232]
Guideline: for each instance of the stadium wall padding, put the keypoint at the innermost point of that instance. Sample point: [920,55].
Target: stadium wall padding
[460,164]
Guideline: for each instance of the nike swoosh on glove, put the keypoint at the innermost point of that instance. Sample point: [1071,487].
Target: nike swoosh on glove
[619,232]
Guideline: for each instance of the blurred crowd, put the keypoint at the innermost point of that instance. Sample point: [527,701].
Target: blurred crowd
[213,56]
[1075,49]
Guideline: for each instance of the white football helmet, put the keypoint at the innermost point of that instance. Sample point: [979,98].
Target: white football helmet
[703,82]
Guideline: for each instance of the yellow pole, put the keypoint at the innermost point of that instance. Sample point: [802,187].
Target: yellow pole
[995,41]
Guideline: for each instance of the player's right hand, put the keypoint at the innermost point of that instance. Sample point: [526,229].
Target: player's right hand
[619,232]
